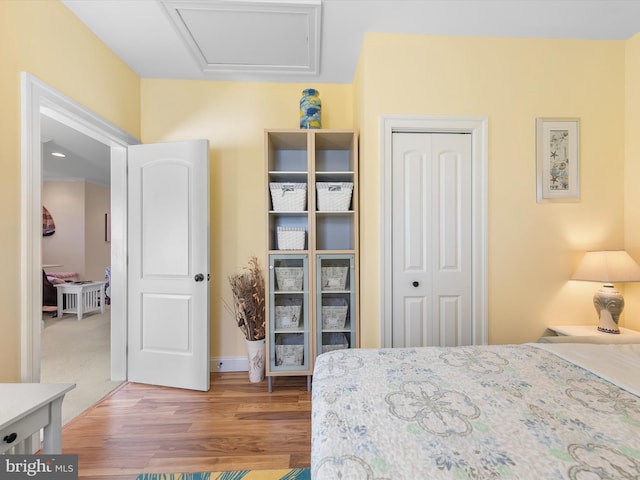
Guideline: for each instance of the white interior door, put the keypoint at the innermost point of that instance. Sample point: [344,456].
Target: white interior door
[431,239]
[168,330]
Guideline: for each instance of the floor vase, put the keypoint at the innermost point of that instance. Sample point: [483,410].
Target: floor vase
[256,354]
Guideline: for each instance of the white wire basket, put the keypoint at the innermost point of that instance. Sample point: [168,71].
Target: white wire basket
[288,314]
[334,341]
[291,238]
[289,351]
[334,313]
[288,197]
[334,197]
[334,278]
[289,278]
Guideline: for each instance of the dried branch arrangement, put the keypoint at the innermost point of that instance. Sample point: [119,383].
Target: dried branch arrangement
[249,296]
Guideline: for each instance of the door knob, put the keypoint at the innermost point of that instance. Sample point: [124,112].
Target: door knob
[416,284]
[10,438]
[199,277]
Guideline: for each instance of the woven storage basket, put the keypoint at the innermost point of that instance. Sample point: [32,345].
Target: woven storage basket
[291,238]
[334,313]
[334,278]
[334,197]
[288,197]
[288,314]
[334,341]
[288,351]
[289,278]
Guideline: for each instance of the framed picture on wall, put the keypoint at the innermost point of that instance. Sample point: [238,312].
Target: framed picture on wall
[557,159]
[107,227]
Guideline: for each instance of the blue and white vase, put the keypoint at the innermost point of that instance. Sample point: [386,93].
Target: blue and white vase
[310,109]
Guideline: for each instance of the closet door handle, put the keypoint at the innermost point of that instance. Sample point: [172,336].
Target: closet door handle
[416,284]
[199,277]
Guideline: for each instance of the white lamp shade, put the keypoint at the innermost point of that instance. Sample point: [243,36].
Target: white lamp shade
[607,266]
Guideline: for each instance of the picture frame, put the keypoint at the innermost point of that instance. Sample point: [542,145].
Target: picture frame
[558,159]
[107,227]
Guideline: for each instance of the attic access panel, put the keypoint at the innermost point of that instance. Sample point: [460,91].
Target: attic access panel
[250,36]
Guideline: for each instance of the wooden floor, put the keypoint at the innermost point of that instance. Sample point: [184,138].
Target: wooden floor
[236,425]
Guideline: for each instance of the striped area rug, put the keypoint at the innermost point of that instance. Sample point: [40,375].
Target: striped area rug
[293,474]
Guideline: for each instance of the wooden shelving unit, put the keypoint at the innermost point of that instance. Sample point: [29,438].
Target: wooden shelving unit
[312,288]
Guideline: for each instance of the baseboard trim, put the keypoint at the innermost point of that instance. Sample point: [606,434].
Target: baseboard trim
[229,364]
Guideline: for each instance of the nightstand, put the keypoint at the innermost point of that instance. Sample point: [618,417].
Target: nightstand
[589,330]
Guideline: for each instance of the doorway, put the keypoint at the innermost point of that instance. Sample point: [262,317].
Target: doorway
[476,312]
[75,190]
[40,99]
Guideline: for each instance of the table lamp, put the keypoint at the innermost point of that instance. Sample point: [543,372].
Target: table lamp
[608,267]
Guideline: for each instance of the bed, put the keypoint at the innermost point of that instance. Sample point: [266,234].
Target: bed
[532,411]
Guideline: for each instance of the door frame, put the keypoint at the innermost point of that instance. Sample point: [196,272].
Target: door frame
[38,98]
[478,128]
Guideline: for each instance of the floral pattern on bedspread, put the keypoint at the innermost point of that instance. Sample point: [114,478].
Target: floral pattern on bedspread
[440,412]
[502,411]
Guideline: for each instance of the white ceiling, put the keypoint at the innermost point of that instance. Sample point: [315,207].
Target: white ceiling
[85,158]
[311,41]
[254,40]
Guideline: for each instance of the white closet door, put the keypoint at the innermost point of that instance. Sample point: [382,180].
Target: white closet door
[432,239]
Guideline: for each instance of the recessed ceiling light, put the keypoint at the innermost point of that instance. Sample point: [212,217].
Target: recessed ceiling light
[58,154]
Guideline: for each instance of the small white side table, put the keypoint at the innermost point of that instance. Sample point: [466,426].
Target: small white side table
[80,297]
[25,408]
[587,330]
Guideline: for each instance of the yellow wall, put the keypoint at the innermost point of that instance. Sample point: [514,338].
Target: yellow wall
[45,39]
[233,117]
[532,247]
[632,173]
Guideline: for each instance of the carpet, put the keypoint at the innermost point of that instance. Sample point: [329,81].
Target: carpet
[293,474]
[78,351]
